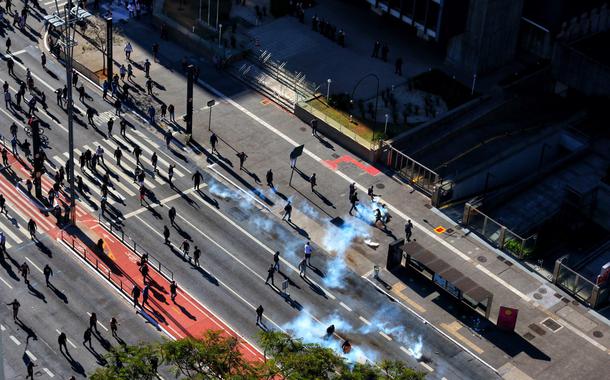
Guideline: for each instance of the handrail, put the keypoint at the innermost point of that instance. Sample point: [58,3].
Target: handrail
[131,243]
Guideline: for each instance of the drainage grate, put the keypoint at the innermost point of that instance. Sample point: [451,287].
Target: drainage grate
[558,295]
[500,258]
[449,230]
[551,324]
[380,186]
[509,263]
[565,300]
[537,329]
[529,336]
[538,296]
[598,334]
[482,259]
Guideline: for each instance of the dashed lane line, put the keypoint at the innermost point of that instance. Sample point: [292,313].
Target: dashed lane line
[6,283]
[15,340]
[31,355]
[34,264]
[364,320]
[345,306]
[160,203]
[389,338]
[426,366]
[48,372]
[98,322]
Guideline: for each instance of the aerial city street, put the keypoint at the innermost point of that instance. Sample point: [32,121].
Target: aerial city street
[314,189]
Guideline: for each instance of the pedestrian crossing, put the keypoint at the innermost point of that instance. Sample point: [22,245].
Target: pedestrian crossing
[122,181]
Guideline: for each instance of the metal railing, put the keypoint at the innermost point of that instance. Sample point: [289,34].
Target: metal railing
[372,145]
[497,234]
[129,242]
[579,286]
[124,285]
[415,173]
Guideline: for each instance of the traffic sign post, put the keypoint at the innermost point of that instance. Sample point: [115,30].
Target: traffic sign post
[285,288]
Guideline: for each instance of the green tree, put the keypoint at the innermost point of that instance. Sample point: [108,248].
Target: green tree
[129,363]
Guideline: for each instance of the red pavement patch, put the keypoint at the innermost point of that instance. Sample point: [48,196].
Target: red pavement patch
[334,164]
[440,229]
[265,102]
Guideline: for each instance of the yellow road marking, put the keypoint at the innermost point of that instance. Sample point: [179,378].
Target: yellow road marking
[453,330]
[398,288]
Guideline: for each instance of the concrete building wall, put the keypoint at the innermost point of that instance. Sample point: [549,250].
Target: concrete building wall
[490,39]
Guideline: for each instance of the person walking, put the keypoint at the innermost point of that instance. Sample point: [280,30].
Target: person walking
[145,292]
[196,255]
[259,314]
[353,200]
[30,370]
[15,305]
[307,250]
[287,211]
[171,111]
[144,270]
[137,151]
[242,158]
[197,179]
[163,110]
[128,50]
[408,230]
[2,245]
[172,215]
[10,64]
[110,124]
[8,102]
[123,127]
[147,68]
[276,261]
[166,234]
[142,191]
[314,127]
[2,204]
[270,273]
[303,268]
[149,86]
[170,174]
[25,271]
[398,66]
[151,114]
[114,327]
[269,177]
[48,272]
[185,246]
[155,51]
[173,291]
[213,142]
[313,182]
[87,338]
[62,340]
[135,294]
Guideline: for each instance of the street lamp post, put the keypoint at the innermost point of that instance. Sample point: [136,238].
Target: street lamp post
[200,1]
[385,129]
[376,95]
[474,82]
[219,34]
[217,13]
[209,12]
[70,17]
[328,81]
[211,103]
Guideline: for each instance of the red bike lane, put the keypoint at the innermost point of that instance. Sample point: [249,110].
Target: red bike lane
[119,264]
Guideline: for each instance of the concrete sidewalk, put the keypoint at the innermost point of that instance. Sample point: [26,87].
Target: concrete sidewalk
[247,122]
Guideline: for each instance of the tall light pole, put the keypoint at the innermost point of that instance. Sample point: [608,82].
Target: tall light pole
[67,21]
[217,13]
[474,82]
[385,129]
[328,81]
[200,1]
[219,34]
[209,12]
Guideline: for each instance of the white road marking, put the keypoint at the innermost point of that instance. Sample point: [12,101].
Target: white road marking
[118,183]
[345,306]
[6,283]
[8,230]
[2,328]
[160,160]
[385,335]
[31,355]
[249,194]
[98,322]
[426,366]
[161,202]
[34,264]
[48,372]
[128,156]
[15,340]
[364,320]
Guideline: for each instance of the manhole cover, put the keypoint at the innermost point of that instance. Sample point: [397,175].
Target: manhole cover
[303,129]
[538,296]
[380,186]
[598,334]
[482,259]
[529,336]
[537,329]
[500,258]
[551,324]
[449,230]
[542,290]
[557,295]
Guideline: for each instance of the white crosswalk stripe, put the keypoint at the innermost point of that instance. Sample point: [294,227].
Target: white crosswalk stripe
[92,187]
[160,160]
[13,226]
[90,177]
[116,183]
[128,156]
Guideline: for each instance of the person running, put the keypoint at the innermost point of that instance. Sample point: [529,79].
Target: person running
[287,211]
[354,201]
[408,230]
[48,272]
[87,338]
[196,255]
[185,246]
[270,273]
[371,194]
[166,234]
[173,290]
[153,160]
[30,370]
[135,294]
[15,305]
[172,215]
[259,314]
[197,179]
[114,327]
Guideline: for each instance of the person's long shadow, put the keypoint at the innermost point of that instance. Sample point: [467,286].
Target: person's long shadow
[325,143]
[298,229]
[61,295]
[8,268]
[98,357]
[316,289]
[74,364]
[36,293]
[316,270]
[207,199]
[27,330]
[324,199]
[186,312]
[292,302]
[207,275]
[44,249]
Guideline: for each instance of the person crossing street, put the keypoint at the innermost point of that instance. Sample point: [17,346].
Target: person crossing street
[15,305]
[173,291]
[197,179]
[270,273]
[48,272]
